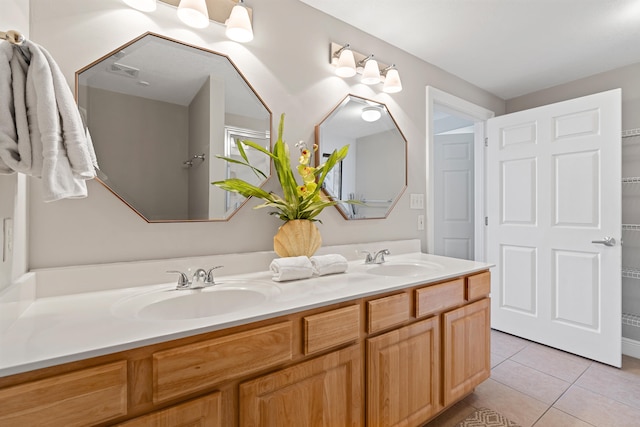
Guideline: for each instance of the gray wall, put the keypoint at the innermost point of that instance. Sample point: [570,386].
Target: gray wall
[625,78]
[288,65]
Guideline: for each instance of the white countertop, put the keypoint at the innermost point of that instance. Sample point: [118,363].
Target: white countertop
[60,329]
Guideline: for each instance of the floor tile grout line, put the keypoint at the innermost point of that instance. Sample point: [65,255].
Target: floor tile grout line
[543,372]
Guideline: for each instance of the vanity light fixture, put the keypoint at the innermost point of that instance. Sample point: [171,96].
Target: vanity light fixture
[371,114]
[344,61]
[348,63]
[142,5]
[233,14]
[239,24]
[194,13]
[392,83]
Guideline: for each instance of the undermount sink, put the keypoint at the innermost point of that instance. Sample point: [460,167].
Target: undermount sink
[404,269]
[172,304]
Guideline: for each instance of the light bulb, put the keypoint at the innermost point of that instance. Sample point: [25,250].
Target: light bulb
[392,83]
[371,72]
[371,114]
[239,25]
[346,64]
[194,13]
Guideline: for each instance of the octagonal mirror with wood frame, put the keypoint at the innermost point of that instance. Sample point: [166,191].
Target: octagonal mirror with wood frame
[159,111]
[375,170]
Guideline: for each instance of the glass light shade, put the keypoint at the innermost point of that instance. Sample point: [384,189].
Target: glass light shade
[239,25]
[142,5]
[346,64]
[392,83]
[371,72]
[194,13]
[371,114]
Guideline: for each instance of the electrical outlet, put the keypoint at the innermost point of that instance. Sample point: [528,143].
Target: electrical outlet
[420,222]
[416,201]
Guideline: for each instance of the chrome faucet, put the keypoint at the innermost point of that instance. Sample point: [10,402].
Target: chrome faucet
[201,278]
[378,258]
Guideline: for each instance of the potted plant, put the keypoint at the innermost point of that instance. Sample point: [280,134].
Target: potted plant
[299,204]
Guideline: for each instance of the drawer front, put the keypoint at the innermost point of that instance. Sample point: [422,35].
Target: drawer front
[79,398]
[478,286]
[437,298]
[330,329]
[194,367]
[386,312]
[202,412]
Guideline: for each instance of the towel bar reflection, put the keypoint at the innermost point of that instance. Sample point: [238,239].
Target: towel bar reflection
[12,37]
[189,163]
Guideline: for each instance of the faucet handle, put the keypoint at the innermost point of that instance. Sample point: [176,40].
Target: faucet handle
[210,280]
[183,280]
[368,257]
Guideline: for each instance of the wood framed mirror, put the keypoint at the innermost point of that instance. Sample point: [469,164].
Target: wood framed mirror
[375,171]
[159,111]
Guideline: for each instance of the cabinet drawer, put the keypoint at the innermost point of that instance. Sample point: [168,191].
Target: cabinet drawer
[202,412]
[194,367]
[437,298]
[387,311]
[335,327]
[478,286]
[79,398]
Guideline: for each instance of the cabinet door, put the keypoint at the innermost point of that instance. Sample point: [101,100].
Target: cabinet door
[202,412]
[326,391]
[466,349]
[403,375]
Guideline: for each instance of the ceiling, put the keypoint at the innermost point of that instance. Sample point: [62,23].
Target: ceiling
[507,47]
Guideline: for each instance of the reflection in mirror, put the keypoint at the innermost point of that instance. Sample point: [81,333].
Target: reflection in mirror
[159,111]
[375,172]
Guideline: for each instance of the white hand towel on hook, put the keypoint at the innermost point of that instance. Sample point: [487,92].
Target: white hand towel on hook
[291,268]
[41,132]
[329,264]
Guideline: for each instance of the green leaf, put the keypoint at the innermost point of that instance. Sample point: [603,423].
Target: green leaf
[257,171]
[242,187]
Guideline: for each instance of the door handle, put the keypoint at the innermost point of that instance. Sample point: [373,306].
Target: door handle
[608,241]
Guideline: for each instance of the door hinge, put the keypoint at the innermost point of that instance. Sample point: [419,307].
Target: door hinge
[486,220]
[486,141]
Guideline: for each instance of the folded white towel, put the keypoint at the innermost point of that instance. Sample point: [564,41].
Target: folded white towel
[291,268]
[329,264]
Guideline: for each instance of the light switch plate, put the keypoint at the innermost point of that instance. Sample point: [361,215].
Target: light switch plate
[416,201]
[420,222]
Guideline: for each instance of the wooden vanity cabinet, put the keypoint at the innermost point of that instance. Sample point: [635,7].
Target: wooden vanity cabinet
[324,391]
[394,359]
[403,375]
[466,349]
[416,371]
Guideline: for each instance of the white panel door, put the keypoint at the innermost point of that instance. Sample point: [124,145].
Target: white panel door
[554,187]
[454,201]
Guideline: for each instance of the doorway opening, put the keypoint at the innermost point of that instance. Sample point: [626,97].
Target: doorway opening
[455,178]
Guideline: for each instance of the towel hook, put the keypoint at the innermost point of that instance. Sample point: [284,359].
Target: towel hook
[189,162]
[13,37]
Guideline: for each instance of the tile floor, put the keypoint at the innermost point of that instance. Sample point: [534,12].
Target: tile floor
[535,385]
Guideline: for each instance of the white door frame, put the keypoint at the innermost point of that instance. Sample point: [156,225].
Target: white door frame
[479,115]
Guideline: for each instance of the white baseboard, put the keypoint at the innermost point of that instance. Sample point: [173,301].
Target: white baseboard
[631,347]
